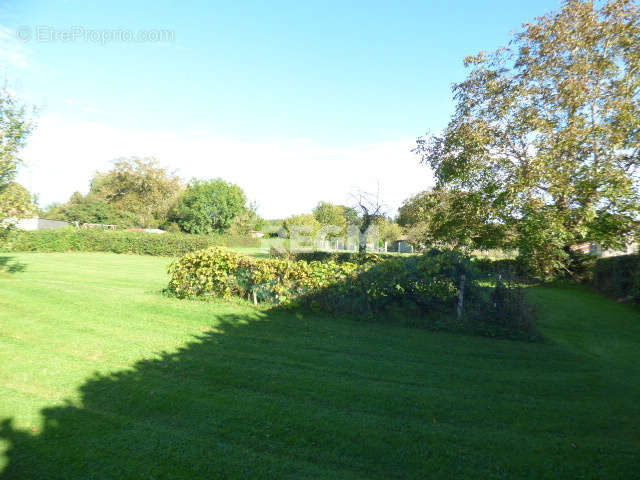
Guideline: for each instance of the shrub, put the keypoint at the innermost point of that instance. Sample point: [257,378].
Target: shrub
[116,241]
[338,257]
[618,277]
[420,289]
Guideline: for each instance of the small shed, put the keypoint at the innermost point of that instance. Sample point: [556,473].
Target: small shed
[401,245]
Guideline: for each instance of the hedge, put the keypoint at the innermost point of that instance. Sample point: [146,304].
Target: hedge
[419,289]
[116,241]
[337,257]
[618,277]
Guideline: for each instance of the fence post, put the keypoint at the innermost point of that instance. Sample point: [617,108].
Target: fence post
[460,297]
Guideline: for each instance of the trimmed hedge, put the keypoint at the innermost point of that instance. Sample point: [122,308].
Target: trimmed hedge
[420,290]
[337,257]
[618,277]
[116,241]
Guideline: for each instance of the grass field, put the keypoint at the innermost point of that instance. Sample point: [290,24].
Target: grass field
[103,377]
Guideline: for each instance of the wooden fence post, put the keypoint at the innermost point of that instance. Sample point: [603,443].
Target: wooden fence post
[460,297]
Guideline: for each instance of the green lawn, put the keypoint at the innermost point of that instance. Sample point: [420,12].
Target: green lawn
[102,377]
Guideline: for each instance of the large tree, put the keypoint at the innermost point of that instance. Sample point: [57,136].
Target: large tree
[16,201]
[442,217]
[139,187]
[210,206]
[546,132]
[15,127]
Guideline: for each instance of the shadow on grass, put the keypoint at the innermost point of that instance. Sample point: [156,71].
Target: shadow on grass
[8,265]
[273,395]
[253,398]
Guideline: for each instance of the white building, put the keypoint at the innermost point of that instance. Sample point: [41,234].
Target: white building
[36,223]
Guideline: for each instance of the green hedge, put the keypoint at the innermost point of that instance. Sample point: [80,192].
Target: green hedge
[618,277]
[337,257]
[116,241]
[420,290]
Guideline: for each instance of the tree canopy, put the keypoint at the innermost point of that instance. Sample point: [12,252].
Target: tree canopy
[210,206]
[139,187]
[15,127]
[545,138]
[16,201]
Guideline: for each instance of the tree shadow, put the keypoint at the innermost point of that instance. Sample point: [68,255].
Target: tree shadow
[237,402]
[9,265]
[275,394]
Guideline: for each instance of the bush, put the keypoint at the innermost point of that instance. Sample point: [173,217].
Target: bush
[116,241]
[421,289]
[618,277]
[338,257]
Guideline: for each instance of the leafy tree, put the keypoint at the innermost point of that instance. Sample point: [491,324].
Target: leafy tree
[210,206]
[15,127]
[90,209]
[349,213]
[247,221]
[306,220]
[16,201]
[451,218]
[546,133]
[389,230]
[138,187]
[328,214]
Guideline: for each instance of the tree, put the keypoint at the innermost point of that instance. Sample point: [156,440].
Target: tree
[247,221]
[328,214]
[138,187]
[449,218]
[389,230]
[349,213]
[369,210]
[15,127]
[90,209]
[546,132]
[305,224]
[16,201]
[210,206]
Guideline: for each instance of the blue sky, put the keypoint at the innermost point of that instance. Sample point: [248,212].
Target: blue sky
[295,101]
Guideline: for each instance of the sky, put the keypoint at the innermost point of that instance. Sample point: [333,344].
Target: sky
[296,102]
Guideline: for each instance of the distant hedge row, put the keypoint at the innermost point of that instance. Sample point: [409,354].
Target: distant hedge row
[618,277]
[337,257]
[116,241]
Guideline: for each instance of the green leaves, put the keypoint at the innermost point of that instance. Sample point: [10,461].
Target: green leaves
[548,127]
[210,206]
[15,127]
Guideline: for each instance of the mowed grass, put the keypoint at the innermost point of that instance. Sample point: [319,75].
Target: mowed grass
[102,377]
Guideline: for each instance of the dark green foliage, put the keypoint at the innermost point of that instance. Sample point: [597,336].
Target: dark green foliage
[115,241]
[505,267]
[209,206]
[91,209]
[618,277]
[508,308]
[420,290]
[338,257]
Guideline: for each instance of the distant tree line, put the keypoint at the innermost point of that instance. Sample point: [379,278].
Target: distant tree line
[138,192]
